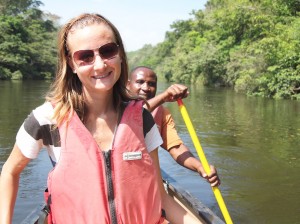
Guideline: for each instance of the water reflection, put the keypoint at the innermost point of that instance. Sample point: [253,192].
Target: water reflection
[17,99]
[254,144]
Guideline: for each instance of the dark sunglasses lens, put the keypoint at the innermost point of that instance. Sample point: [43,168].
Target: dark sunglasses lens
[108,51]
[84,57]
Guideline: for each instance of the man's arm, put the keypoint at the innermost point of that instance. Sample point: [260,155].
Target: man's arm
[182,155]
[171,94]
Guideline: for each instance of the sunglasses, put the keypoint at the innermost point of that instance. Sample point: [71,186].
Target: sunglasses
[87,57]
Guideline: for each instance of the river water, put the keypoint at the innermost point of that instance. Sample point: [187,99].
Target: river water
[253,142]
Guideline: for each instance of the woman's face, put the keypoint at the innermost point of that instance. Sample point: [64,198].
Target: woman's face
[97,69]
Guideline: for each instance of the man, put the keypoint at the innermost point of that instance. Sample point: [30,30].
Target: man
[143,82]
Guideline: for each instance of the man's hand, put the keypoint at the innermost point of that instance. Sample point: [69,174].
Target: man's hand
[213,178]
[175,92]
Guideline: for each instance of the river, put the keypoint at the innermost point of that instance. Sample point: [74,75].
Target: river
[253,142]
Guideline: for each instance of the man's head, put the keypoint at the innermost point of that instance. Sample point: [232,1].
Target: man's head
[143,82]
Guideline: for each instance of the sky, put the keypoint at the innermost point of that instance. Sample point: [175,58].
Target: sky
[139,22]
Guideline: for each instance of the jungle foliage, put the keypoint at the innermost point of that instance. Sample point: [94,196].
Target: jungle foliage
[250,45]
[27,41]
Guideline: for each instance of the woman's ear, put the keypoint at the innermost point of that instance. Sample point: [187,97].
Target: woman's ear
[71,64]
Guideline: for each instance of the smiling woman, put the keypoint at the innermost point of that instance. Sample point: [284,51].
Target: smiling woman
[88,123]
[88,64]
[139,22]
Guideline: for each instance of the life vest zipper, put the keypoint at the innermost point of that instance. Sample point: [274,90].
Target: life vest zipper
[110,189]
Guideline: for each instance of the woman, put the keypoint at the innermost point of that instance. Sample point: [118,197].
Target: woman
[101,141]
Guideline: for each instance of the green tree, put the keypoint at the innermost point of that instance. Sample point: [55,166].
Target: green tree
[16,7]
[250,45]
[27,42]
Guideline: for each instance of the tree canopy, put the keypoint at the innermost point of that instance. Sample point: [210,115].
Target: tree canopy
[27,41]
[250,45]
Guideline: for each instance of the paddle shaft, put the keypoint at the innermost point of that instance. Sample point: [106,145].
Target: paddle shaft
[203,159]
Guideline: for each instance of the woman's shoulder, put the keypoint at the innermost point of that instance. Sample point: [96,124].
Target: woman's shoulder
[44,113]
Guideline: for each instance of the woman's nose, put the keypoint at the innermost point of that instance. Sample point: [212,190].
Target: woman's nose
[99,62]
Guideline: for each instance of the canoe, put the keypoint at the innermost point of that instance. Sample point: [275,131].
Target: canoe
[192,205]
[33,217]
[184,198]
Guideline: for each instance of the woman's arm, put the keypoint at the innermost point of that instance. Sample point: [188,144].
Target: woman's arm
[174,212]
[9,183]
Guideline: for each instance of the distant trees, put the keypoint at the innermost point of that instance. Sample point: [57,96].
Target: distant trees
[27,41]
[250,45]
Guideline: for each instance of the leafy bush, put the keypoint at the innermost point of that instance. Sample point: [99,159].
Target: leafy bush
[248,44]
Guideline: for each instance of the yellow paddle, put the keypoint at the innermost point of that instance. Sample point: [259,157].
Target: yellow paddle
[203,159]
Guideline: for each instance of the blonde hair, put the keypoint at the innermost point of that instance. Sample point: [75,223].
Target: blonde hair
[66,91]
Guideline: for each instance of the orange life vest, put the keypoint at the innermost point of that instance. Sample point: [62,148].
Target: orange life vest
[90,186]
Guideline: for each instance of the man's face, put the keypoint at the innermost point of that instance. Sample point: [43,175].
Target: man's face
[143,83]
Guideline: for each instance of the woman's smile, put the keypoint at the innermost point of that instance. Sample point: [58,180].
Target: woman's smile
[102,76]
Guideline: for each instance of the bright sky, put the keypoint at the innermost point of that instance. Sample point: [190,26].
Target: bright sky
[139,22]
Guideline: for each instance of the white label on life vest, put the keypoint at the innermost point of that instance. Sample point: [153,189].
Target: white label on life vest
[132,155]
